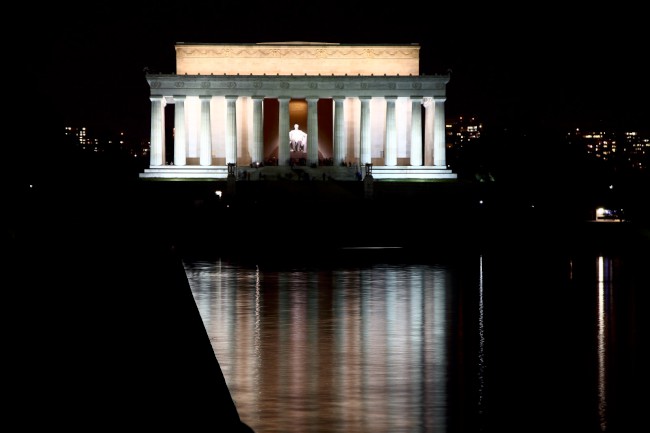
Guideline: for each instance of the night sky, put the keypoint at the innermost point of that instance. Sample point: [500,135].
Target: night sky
[514,67]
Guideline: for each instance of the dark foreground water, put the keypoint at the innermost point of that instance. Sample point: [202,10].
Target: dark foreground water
[376,341]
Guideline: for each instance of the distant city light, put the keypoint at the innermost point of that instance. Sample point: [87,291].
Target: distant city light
[603,214]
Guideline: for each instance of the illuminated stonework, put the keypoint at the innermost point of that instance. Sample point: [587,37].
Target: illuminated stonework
[297,59]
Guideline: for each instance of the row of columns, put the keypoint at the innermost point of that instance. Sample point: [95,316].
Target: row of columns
[434,131]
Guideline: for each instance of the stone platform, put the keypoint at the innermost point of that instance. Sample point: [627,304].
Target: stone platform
[294,172]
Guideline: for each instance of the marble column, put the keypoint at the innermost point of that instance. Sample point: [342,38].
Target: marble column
[439,134]
[339,131]
[428,131]
[205,135]
[231,129]
[257,153]
[390,151]
[416,131]
[283,131]
[180,132]
[157,150]
[365,154]
[312,130]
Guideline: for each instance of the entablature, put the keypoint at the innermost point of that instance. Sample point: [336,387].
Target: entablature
[297,86]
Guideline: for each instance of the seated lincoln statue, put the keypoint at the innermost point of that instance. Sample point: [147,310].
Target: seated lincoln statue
[297,139]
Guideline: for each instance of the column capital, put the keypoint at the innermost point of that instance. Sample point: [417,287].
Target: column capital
[161,99]
[205,97]
[390,98]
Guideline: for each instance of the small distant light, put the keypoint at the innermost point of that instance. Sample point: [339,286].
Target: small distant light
[611,187]
[480,201]
[218,193]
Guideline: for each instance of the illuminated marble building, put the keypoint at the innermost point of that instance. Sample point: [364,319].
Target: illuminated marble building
[365,108]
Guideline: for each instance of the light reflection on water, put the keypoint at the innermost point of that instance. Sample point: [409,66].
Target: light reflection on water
[420,347]
[481,341]
[604,287]
[348,350]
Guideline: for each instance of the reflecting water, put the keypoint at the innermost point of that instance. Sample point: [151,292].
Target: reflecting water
[475,343]
[604,270]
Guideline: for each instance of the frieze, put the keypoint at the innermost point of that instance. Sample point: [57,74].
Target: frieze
[295,86]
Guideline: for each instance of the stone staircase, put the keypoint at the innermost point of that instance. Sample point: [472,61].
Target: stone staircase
[301,173]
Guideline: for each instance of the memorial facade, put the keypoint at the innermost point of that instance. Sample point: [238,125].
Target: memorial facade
[360,107]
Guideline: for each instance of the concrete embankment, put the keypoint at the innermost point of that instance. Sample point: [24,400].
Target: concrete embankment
[109,333]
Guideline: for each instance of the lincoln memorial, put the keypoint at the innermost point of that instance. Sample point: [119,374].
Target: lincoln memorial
[356,108]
